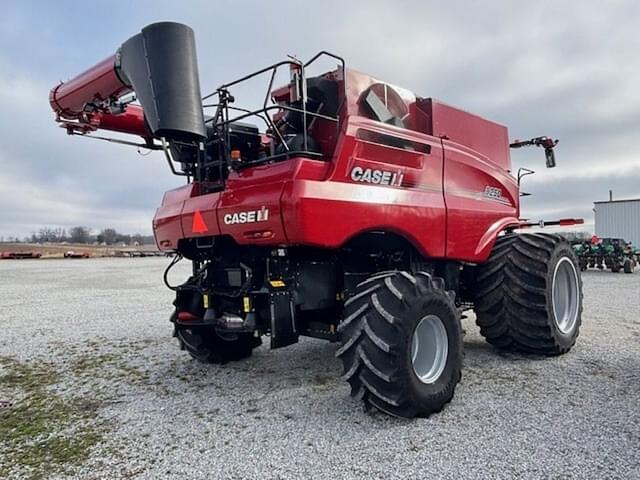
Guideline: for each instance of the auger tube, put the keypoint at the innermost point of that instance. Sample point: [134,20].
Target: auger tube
[159,64]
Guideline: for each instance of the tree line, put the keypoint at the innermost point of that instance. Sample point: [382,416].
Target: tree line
[81,234]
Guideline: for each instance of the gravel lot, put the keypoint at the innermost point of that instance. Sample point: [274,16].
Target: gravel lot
[100,390]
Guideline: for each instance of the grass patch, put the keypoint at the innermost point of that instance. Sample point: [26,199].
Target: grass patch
[42,433]
[107,366]
[45,433]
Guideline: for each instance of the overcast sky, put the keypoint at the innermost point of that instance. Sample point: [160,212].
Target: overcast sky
[565,69]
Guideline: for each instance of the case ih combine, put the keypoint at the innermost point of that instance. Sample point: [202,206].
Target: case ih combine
[360,213]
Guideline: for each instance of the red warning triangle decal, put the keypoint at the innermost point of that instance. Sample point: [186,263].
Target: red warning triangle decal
[198,225]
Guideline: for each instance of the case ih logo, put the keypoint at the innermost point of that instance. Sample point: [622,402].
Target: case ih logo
[252,216]
[378,177]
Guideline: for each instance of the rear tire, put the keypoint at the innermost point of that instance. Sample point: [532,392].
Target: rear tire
[628,265]
[401,344]
[204,344]
[528,295]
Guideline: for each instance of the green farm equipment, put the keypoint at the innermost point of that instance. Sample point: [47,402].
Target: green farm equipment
[612,253]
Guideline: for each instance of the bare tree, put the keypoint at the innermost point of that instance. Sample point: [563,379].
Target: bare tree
[108,236]
[47,234]
[79,235]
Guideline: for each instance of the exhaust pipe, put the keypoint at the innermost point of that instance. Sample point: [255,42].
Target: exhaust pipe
[159,64]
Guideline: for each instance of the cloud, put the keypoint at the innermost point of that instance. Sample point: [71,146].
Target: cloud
[50,179]
[27,207]
[564,69]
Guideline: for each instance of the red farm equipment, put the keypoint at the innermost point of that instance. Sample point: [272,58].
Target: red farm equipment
[361,214]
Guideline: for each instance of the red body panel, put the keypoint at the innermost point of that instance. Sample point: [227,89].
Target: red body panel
[167,223]
[487,138]
[443,181]
[471,212]
[451,201]
[328,213]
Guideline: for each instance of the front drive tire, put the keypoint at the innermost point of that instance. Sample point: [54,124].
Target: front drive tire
[528,295]
[401,344]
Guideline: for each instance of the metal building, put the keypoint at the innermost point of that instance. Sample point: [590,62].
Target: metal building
[618,219]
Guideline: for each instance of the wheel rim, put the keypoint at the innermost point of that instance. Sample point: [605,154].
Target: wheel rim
[429,349]
[565,295]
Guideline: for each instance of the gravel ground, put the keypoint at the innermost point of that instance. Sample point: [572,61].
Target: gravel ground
[92,336]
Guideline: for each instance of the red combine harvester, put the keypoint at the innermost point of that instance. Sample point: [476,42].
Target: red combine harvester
[361,214]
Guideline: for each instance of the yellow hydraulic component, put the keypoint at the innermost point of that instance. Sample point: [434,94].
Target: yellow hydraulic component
[205,300]
[277,283]
[246,304]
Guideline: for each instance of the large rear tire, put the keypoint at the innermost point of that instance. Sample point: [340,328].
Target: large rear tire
[528,295]
[401,344]
[204,344]
[628,265]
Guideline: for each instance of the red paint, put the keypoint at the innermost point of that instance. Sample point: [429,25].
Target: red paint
[82,103]
[131,121]
[19,255]
[96,85]
[457,192]
[441,207]
[486,138]
[571,221]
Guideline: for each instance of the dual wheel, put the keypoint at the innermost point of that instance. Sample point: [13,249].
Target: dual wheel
[401,336]
[528,295]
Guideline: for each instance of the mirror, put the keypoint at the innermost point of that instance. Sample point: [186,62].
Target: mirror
[551,157]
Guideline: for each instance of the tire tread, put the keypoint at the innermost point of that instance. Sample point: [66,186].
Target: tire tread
[511,298]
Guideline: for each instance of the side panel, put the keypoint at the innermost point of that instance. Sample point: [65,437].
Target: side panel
[404,197]
[488,138]
[482,199]
[199,216]
[167,223]
[249,209]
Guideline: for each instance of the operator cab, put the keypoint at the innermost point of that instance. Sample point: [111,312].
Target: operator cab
[294,125]
[301,120]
